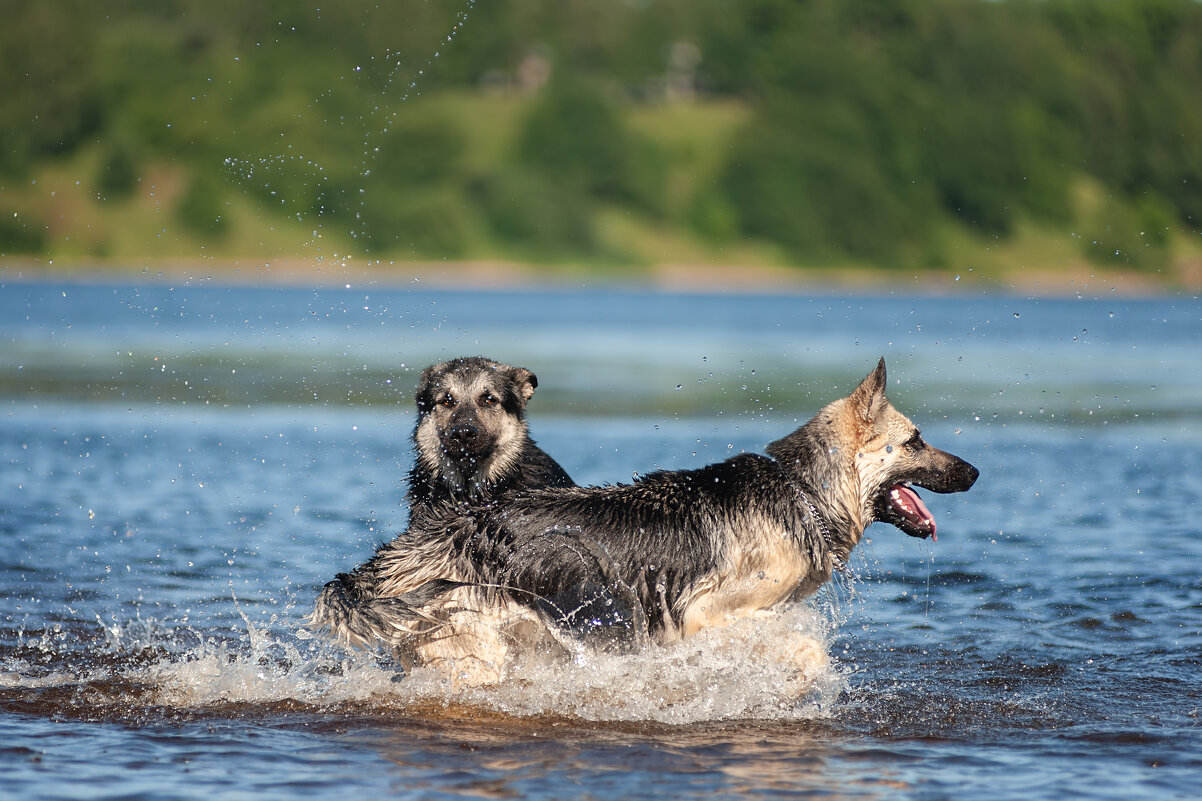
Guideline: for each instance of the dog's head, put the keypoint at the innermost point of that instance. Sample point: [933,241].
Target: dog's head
[470,409]
[869,457]
[893,458]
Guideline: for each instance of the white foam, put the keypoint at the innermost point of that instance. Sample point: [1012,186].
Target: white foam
[269,667]
[775,667]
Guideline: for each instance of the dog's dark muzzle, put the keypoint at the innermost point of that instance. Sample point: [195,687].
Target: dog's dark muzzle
[947,473]
[465,439]
[900,505]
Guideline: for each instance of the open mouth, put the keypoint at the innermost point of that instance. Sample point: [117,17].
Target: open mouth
[908,512]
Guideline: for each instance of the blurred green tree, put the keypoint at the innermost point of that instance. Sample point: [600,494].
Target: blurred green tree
[48,98]
[575,136]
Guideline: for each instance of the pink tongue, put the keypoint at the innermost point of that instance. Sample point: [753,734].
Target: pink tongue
[913,507]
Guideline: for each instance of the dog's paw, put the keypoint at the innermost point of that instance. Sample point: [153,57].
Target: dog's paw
[802,656]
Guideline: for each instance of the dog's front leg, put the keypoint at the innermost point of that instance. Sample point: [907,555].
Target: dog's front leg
[468,652]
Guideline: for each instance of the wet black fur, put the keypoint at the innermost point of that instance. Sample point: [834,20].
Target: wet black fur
[655,538]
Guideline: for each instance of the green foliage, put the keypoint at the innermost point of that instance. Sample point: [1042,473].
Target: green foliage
[712,215]
[426,223]
[829,172]
[118,173]
[406,193]
[1131,234]
[420,149]
[19,235]
[539,217]
[204,205]
[576,137]
[1137,115]
[866,128]
[48,98]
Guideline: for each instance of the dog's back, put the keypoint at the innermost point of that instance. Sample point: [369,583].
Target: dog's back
[638,552]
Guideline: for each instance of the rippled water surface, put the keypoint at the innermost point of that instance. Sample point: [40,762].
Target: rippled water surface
[182,468]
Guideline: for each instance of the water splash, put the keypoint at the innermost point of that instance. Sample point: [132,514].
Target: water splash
[382,117]
[772,668]
[301,184]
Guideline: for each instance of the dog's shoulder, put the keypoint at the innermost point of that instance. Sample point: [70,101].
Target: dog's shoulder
[538,469]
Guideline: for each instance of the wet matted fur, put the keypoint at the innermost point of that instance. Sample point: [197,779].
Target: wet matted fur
[471,446]
[671,554]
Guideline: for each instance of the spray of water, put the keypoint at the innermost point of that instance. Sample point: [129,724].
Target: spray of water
[779,665]
[313,193]
[773,667]
[769,668]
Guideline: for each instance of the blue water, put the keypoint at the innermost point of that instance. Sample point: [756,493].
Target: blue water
[182,468]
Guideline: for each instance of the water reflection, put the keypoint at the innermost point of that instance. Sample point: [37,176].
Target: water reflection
[508,758]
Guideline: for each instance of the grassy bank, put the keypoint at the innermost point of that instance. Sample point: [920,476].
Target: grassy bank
[155,227]
[682,141]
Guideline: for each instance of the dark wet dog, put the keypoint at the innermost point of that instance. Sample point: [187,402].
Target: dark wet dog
[471,446]
[664,557]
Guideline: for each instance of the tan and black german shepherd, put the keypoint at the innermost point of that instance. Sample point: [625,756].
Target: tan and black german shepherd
[662,558]
[471,446]
[471,441]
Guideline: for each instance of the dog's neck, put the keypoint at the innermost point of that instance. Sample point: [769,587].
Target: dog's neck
[468,477]
[446,478]
[824,530]
[437,475]
[819,474]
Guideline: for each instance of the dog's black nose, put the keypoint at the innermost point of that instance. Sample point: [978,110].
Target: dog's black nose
[967,476]
[463,431]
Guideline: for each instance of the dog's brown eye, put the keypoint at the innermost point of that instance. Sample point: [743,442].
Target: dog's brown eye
[488,399]
[447,400]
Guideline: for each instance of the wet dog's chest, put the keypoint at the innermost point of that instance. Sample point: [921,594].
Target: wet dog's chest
[763,567]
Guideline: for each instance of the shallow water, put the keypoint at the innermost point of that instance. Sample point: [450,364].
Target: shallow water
[181,468]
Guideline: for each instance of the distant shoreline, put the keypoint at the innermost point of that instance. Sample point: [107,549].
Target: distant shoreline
[499,275]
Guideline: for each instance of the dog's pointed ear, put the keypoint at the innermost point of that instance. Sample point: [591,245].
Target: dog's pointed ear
[421,395]
[869,398]
[526,382]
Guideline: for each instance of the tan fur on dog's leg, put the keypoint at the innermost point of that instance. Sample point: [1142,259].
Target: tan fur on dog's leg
[472,656]
[801,654]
